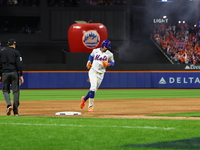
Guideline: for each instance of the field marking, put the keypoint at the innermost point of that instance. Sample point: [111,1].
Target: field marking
[96,126]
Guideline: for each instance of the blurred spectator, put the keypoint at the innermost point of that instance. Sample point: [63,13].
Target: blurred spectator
[124,2]
[14,2]
[74,3]
[53,3]
[106,2]
[101,2]
[119,2]
[8,2]
[23,30]
[91,2]
[109,2]
[32,3]
[28,30]
[63,3]
[1,2]
[21,3]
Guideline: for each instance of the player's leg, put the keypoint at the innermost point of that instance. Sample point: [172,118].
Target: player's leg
[97,83]
[91,93]
[85,98]
[99,79]
[93,88]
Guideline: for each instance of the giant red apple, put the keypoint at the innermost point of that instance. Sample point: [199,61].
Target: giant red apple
[84,37]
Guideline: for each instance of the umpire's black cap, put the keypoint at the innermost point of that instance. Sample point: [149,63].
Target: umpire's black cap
[11,42]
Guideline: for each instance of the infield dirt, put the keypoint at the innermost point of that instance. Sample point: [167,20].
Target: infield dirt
[119,108]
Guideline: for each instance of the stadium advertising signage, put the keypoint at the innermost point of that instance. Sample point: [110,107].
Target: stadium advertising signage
[176,80]
[160,20]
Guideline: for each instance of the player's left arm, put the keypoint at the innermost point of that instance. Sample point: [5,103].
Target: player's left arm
[110,62]
[106,64]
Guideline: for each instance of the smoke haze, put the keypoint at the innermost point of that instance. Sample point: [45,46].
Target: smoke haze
[140,49]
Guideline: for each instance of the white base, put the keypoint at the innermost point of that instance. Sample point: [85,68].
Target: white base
[68,113]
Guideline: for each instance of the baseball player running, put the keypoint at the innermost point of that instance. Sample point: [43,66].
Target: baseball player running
[98,60]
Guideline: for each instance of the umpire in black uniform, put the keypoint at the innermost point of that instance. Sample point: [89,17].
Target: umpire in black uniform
[11,74]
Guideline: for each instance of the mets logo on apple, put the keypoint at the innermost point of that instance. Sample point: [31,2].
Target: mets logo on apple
[91,39]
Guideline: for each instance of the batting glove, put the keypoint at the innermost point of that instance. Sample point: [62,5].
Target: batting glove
[89,65]
[105,64]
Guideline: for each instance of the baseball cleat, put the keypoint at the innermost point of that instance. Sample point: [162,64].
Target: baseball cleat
[8,111]
[82,104]
[90,110]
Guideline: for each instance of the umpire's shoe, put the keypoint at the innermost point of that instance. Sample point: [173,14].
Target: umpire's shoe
[8,111]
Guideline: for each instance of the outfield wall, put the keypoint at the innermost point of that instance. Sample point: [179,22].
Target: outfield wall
[72,73]
[113,79]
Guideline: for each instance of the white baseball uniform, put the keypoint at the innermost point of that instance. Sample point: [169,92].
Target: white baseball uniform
[96,73]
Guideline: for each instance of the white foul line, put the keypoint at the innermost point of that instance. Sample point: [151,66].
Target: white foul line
[98,126]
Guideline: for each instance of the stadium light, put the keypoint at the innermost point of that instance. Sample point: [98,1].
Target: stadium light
[164,17]
[165,1]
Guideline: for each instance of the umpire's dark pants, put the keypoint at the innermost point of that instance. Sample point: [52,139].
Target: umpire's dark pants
[11,79]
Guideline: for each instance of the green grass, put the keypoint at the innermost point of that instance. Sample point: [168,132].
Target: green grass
[188,114]
[63,133]
[69,94]
[76,133]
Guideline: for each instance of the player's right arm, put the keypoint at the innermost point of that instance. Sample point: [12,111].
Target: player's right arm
[89,62]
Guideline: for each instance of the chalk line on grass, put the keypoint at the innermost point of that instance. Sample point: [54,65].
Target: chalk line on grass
[95,126]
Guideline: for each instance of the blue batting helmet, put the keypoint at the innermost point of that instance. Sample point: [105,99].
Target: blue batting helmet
[106,43]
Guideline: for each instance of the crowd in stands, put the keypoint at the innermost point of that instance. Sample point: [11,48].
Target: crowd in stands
[23,30]
[32,3]
[30,25]
[105,2]
[74,3]
[17,24]
[63,3]
[181,42]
